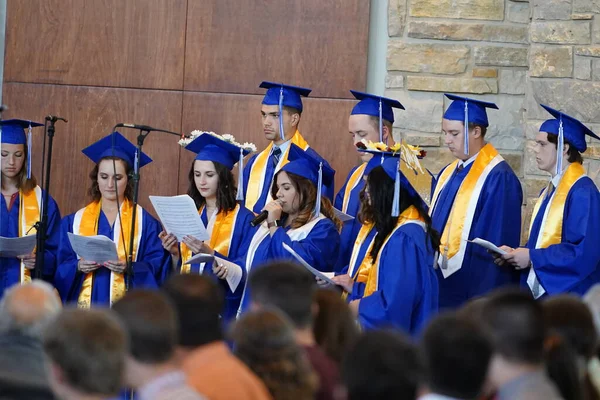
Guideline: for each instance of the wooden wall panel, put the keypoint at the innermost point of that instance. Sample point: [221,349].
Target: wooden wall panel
[231,46]
[92,112]
[132,43]
[324,124]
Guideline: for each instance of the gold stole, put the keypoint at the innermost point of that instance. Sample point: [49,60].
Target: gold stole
[361,273]
[220,238]
[551,228]
[259,168]
[352,182]
[88,226]
[410,215]
[453,231]
[30,205]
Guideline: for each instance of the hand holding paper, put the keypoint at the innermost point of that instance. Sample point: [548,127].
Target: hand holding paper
[97,248]
[179,216]
[302,262]
[488,245]
[18,246]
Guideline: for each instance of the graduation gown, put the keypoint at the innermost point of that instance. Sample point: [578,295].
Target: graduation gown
[271,169]
[317,242]
[10,268]
[407,291]
[497,218]
[241,237]
[362,251]
[573,265]
[147,271]
[350,228]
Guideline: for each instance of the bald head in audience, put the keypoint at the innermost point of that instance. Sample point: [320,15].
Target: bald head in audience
[28,308]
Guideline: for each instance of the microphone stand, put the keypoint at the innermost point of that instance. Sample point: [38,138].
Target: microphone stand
[42,225]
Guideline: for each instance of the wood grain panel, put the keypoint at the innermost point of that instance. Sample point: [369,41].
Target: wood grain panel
[132,43]
[92,112]
[324,124]
[231,46]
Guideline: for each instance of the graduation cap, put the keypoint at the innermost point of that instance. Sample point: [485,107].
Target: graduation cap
[566,128]
[392,163]
[469,111]
[376,106]
[210,148]
[13,132]
[314,168]
[115,145]
[282,95]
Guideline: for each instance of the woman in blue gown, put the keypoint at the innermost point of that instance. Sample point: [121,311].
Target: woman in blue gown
[212,187]
[87,282]
[21,205]
[393,282]
[299,217]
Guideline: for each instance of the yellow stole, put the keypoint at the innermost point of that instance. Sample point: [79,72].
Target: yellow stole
[30,205]
[459,222]
[220,238]
[259,168]
[352,182]
[410,215]
[360,273]
[551,228]
[86,224]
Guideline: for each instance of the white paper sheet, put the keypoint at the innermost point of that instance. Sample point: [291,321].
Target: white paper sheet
[19,246]
[97,248]
[303,262]
[234,271]
[179,216]
[342,216]
[488,245]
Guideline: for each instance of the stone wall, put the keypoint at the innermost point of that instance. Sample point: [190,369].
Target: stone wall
[515,53]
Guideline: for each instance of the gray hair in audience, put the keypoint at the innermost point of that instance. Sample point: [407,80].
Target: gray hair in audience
[29,308]
[592,299]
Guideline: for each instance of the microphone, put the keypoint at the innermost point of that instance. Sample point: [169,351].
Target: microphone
[144,128]
[259,219]
[54,118]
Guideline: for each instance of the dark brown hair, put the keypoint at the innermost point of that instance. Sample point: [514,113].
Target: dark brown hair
[481,127]
[375,122]
[307,196]
[226,190]
[573,155]
[24,184]
[334,327]
[94,190]
[265,342]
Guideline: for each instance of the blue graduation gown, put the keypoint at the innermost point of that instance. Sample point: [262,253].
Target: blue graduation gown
[350,228]
[358,288]
[147,271]
[269,175]
[497,219]
[407,295]
[319,249]
[574,264]
[10,268]
[242,235]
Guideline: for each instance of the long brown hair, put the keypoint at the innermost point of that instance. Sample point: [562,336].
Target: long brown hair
[307,197]
[94,190]
[226,189]
[24,184]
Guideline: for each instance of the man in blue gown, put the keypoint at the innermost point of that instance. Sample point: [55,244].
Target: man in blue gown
[476,196]
[563,250]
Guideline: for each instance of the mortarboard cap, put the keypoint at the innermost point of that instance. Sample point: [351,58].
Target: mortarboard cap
[468,111]
[369,105]
[291,94]
[314,168]
[13,132]
[210,148]
[123,149]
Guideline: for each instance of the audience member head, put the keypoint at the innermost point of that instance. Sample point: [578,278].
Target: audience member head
[86,351]
[198,302]
[335,327]
[381,365]
[515,322]
[27,309]
[592,299]
[265,341]
[151,324]
[455,355]
[286,286]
